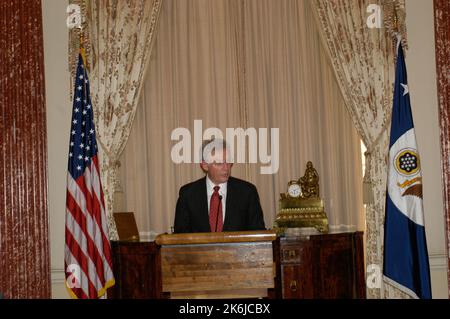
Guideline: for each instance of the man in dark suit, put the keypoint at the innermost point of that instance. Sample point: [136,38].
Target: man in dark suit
[217,202]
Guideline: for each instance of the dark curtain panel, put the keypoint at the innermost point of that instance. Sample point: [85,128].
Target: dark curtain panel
[442,37]
[24,246]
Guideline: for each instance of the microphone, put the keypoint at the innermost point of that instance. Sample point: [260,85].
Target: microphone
[217,215]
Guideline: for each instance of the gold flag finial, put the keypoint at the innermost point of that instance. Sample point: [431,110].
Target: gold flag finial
[395,25]
[82,49]
[81,38]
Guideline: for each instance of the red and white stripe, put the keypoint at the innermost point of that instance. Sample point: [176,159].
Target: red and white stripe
[87,244]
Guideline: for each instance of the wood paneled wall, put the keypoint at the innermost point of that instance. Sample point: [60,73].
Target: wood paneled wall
[442,38]
[24,240]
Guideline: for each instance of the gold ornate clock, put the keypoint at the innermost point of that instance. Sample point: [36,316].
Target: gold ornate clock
[301,205]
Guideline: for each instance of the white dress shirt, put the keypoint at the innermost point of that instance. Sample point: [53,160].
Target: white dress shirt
[222,191]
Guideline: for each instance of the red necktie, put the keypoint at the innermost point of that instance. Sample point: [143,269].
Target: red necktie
[215,211]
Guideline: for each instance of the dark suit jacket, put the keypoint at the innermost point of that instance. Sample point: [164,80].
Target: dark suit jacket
[242,212]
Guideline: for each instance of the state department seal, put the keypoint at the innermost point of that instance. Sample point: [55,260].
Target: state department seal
[407,162]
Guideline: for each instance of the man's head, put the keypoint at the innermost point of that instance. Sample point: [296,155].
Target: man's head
[215,156]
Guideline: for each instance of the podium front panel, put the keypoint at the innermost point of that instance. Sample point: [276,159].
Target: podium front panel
[223,270]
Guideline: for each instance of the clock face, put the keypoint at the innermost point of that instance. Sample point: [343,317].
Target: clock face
[294,190]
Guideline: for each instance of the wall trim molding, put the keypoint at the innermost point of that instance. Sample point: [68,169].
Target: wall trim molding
[438,261]
[57,276]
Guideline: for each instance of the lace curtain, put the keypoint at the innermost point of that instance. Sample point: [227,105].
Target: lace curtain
[363,61]
[119,36]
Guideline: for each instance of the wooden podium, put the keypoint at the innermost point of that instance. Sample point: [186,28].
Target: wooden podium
[240,264]
[217,265]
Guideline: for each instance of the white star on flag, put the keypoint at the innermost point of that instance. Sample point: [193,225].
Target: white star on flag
[406,89]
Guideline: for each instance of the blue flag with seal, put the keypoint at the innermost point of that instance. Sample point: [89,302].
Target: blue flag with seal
[406,264]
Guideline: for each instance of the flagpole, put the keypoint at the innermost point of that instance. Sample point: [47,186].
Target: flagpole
[83,54]
[82,49]
[396,35]
[91,280]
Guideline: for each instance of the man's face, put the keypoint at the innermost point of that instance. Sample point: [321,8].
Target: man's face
[216,167]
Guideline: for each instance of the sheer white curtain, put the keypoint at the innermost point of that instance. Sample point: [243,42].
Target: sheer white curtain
[290,85]
[234,63]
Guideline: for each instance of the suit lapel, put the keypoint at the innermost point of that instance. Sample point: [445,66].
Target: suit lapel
[229,204]
[203,204]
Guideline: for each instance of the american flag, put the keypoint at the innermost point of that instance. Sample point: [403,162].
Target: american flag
[88,265]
